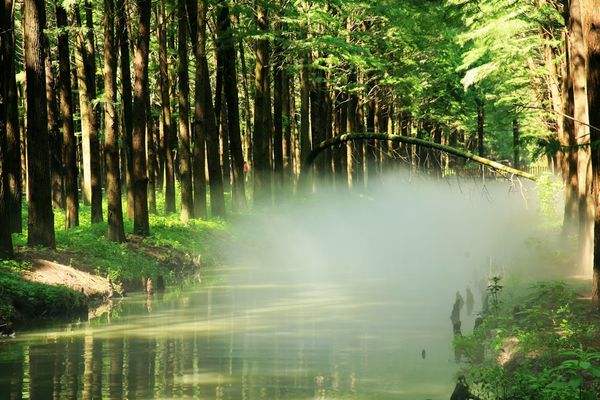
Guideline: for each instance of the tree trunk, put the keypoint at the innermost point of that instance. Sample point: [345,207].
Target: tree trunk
[12,160]
[169,138]
[569,147]
[185,167]
[138,173]
[198,21]
[427,144]
[279,99]
[151,148]
[6,246]
[69,152]
[480,127]
[40,216]
[578,58]
[262,111]
[116,232]
[516,142]
[54,140]
[86,74]
[227,56]
[206,119]
[592,35]
[122,36]
[304,134]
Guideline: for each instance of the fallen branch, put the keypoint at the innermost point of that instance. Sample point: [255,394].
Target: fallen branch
[351,137]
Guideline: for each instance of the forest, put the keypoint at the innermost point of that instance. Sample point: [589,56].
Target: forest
[143,141]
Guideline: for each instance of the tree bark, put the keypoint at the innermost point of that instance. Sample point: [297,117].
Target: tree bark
[185,167]
[480,127]
[54,140]
[516,142]
[169,138]
[6,37]
[122,36]
[336,140]
[151,149]
[578,58]
[227,55]
[86,75]
[592,36]
[206,120]
[40,216]
[116,232]
[69,152]
[196,14]
[138,173]
[568,143]
[279,100]
[12,161]
[262,111]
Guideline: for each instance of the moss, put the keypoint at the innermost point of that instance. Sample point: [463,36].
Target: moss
[171,251]
[21,300]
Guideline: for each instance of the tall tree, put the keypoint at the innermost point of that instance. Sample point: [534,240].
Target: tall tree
[168,136]
[122,35]
[116,232]
[592,38]
[139,179]
[40,215]
[227,58]
[185,166]
[206,119]
[86,79]
[6,247]
[199,140]
[69,152]
[578,59]
[55,139]
[262,109]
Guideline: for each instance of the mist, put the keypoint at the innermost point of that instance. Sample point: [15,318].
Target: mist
[374,276]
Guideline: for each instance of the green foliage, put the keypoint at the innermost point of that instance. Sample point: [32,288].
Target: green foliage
[540,343]
[20,299]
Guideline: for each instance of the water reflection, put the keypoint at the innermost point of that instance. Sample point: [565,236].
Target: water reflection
[238,342]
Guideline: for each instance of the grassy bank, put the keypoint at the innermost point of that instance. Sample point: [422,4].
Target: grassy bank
[538,341]
[174,252]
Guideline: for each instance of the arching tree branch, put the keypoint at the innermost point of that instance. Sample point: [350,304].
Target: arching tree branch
[350,137]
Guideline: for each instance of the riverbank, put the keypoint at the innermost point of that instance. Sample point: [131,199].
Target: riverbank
[534,341]
[91,269]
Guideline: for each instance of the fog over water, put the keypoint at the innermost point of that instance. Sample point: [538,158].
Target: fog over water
[332,296]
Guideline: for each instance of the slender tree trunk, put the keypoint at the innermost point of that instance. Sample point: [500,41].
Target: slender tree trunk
[69,152]
[12,160]
[116,232]
[40,216]
[305,142]
[227,56]
[480,127]
[185,167]
[206,118]
[262,111]
[198,139]
[86,74]
[287,116]
[122,36]
[138,173]
[569,146]
[516,143]
[279,99]
[370,150]
[169,142]
[592,34]
[151,149]
[578,58]
[318,120]
[55,139]
[6,38]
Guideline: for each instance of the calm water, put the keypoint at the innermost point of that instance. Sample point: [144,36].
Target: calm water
[360,339]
